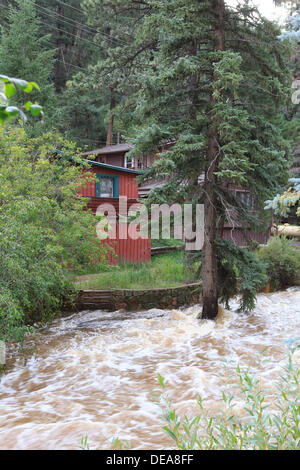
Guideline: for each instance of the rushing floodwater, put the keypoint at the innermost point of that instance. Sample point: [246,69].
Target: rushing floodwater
[94,373]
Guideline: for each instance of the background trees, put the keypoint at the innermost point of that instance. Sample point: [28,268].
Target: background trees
[49,42]
[24,52]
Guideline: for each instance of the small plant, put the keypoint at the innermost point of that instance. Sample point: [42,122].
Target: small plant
[118,444]
[283,262]
[263,426]
[84,445]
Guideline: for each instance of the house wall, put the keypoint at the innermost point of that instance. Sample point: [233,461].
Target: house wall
[127,183]
[116,159]
[128,250]
[242,237]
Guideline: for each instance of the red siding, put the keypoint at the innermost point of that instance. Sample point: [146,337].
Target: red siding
[130,251]
[127,183]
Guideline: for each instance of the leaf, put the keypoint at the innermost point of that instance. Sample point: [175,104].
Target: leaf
[12,111]
[161,381]
[28,105]
[35,109]
[22,84]
[9,89]
[171,434]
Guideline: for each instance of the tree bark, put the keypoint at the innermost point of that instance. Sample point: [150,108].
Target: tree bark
[209,256]
[110,129]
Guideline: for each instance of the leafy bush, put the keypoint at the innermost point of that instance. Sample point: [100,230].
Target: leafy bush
[283,262]
[44,229]
[262,427]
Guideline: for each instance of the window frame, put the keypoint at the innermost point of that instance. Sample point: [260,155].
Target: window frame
[247,193]
[115,179]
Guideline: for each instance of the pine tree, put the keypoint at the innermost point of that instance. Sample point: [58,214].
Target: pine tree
[72,38]
[218,85]
[123,57]
[292,34]
[25,53]
[288,202]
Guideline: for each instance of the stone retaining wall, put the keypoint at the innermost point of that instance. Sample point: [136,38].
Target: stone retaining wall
[129,299]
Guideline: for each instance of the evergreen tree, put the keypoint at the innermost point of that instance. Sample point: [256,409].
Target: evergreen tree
[218,85]
[287,203]
[81,112]
[71,37]
[82,115]
[292,34]
[123,56]
[25,53]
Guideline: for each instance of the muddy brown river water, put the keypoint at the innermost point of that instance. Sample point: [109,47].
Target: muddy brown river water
[93,373]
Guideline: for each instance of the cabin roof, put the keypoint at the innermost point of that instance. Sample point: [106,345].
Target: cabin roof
[114,167]
[118,148]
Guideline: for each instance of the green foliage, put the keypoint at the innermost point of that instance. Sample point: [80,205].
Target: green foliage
[163,271]
[10,87]
[81,115]
[282,203]
[282,260]
[45,230]
[264,425]
[122,59]
[240,272]
[222,109]
[24,52]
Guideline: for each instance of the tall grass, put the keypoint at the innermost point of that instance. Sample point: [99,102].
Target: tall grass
[163,271]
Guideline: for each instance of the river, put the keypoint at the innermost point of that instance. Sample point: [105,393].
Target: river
[93,373]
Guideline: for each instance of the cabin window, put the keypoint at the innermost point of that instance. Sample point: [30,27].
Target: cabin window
[129,163]
[107,186]
[246,199]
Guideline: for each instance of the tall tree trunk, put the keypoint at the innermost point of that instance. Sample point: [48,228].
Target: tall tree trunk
[109,136]
[209,257]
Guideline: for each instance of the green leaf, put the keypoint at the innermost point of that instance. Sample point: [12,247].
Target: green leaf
[22,84]
[12,111]
[28,105]
[35,109]
[161,381]
[171,434]
[9,89]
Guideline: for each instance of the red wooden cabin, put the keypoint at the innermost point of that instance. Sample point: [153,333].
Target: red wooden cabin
[112,182]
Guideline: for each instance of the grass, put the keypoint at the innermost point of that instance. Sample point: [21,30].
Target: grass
[163,271]
[166,242]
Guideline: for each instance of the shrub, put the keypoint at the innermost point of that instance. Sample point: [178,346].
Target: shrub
[283,262]
[262,427]
[44,229]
